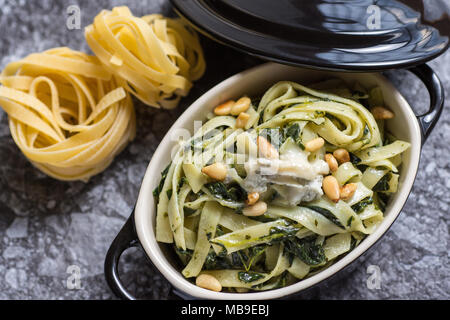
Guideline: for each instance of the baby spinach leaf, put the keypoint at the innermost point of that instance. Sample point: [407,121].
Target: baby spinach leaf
[183,180]
[281,233]
[189,212]
[236,260]
[327,214]
[237,193]
[158,189]
[360,206]
[383,184]
[218,190]
[219,231]
[292,132]
[184,255]
[353,243]
[233,192]
[349,222]
[356,162]
[383,199]
[217,262]
[224,251]
[253,253]
[249,277]
[263,218]
[281,282]
[306,250]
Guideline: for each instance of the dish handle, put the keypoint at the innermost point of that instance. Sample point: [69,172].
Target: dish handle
[434,86]
[126,239]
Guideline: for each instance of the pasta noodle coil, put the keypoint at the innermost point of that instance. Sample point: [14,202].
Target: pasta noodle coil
[155,58]
[67,114]
[302,230]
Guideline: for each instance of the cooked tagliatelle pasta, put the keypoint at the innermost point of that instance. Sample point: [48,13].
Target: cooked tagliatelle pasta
[156,58]
[67,114]
[273,190]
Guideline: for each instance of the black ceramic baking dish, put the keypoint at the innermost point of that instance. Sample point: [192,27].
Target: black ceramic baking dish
[210,19]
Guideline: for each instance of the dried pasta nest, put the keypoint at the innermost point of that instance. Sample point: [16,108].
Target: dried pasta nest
[67,113]
[155,58]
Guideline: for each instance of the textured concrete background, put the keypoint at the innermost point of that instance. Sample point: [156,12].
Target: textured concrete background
[47,226]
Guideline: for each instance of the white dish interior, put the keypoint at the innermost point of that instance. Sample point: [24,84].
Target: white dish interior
[255,82]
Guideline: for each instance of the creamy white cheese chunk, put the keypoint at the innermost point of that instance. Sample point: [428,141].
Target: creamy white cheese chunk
[305,191]
[293,176]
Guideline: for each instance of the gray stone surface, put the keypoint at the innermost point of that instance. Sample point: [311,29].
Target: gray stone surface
[47,226]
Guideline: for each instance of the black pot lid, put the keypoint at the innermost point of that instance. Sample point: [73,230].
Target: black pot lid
[352,35]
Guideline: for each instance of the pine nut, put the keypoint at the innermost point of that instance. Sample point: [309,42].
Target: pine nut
[208,282]
[348,191]
[266,149]
[256,210]
[217,171]
[242,120]
[224,109]
[332,162]
[252,198]
[381,113]
[341,155]
[330,186]
[241,105]
[314,145]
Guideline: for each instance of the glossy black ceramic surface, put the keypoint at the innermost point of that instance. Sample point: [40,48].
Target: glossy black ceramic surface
[356,35]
